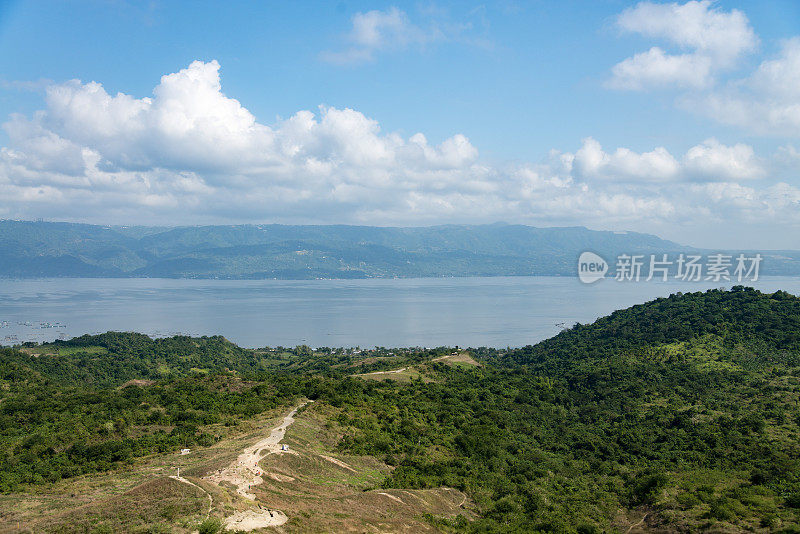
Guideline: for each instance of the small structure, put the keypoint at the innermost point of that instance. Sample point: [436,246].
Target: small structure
[184,452]
[284,447]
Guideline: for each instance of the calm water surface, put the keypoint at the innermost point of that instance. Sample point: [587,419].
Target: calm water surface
[499,312]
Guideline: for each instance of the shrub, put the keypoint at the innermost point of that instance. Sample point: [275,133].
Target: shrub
[211,525]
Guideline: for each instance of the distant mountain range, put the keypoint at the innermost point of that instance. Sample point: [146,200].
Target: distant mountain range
[53,249]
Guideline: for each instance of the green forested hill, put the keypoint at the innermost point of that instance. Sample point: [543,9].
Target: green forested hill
[682,412]
[42,249]
[684,408]
[739,316]
[115,357]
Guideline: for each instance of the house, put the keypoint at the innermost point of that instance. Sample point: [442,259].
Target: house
[184,452]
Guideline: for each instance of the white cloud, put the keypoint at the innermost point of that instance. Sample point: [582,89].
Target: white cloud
[376,31]
[766,103]
[708,161]
[190,154]
[713,40]
[695,25]
[655,68]
[714,161]
[591,162]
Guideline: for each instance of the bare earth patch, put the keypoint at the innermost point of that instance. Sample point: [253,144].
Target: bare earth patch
[393,497]
[245,474]
[460,358]
[252,519]
[279,477]
[138,382]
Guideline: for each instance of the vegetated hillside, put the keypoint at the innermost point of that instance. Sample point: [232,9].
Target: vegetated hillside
[41,249]
[741,316]
[681,413]
[684,409]
[115,357]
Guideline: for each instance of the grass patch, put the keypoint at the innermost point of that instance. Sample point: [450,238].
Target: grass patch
[163,501]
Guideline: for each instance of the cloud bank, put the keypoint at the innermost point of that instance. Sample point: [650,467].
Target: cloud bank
[190,154]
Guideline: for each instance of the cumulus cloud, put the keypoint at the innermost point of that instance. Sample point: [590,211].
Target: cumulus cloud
[711,40]
[714,161]
[656,68]
[767,102]
[191,154]
[591,162]
[708,161]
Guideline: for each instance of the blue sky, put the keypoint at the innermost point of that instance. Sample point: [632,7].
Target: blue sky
[674,118]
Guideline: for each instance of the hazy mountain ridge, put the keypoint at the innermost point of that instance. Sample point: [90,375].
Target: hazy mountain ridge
[51,249]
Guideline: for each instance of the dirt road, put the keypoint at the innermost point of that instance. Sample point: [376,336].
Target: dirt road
[384,372]
[246,474]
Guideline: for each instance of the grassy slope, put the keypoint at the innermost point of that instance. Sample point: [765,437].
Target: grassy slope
[319,488]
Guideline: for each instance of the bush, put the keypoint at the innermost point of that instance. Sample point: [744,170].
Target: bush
[793,499]
[588,528]
[721,512]
[212,525]
[649,488]
[687,500]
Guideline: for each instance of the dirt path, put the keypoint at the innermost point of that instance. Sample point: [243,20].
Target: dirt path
[185,481]
[338,462]
[393,497]
[245,474]
[639,523]
[384,372]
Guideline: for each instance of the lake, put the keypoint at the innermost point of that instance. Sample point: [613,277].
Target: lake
[469,312]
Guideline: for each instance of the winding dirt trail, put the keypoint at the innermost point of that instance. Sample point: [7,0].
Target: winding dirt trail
[185,481]
[245,474]
[639,523]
